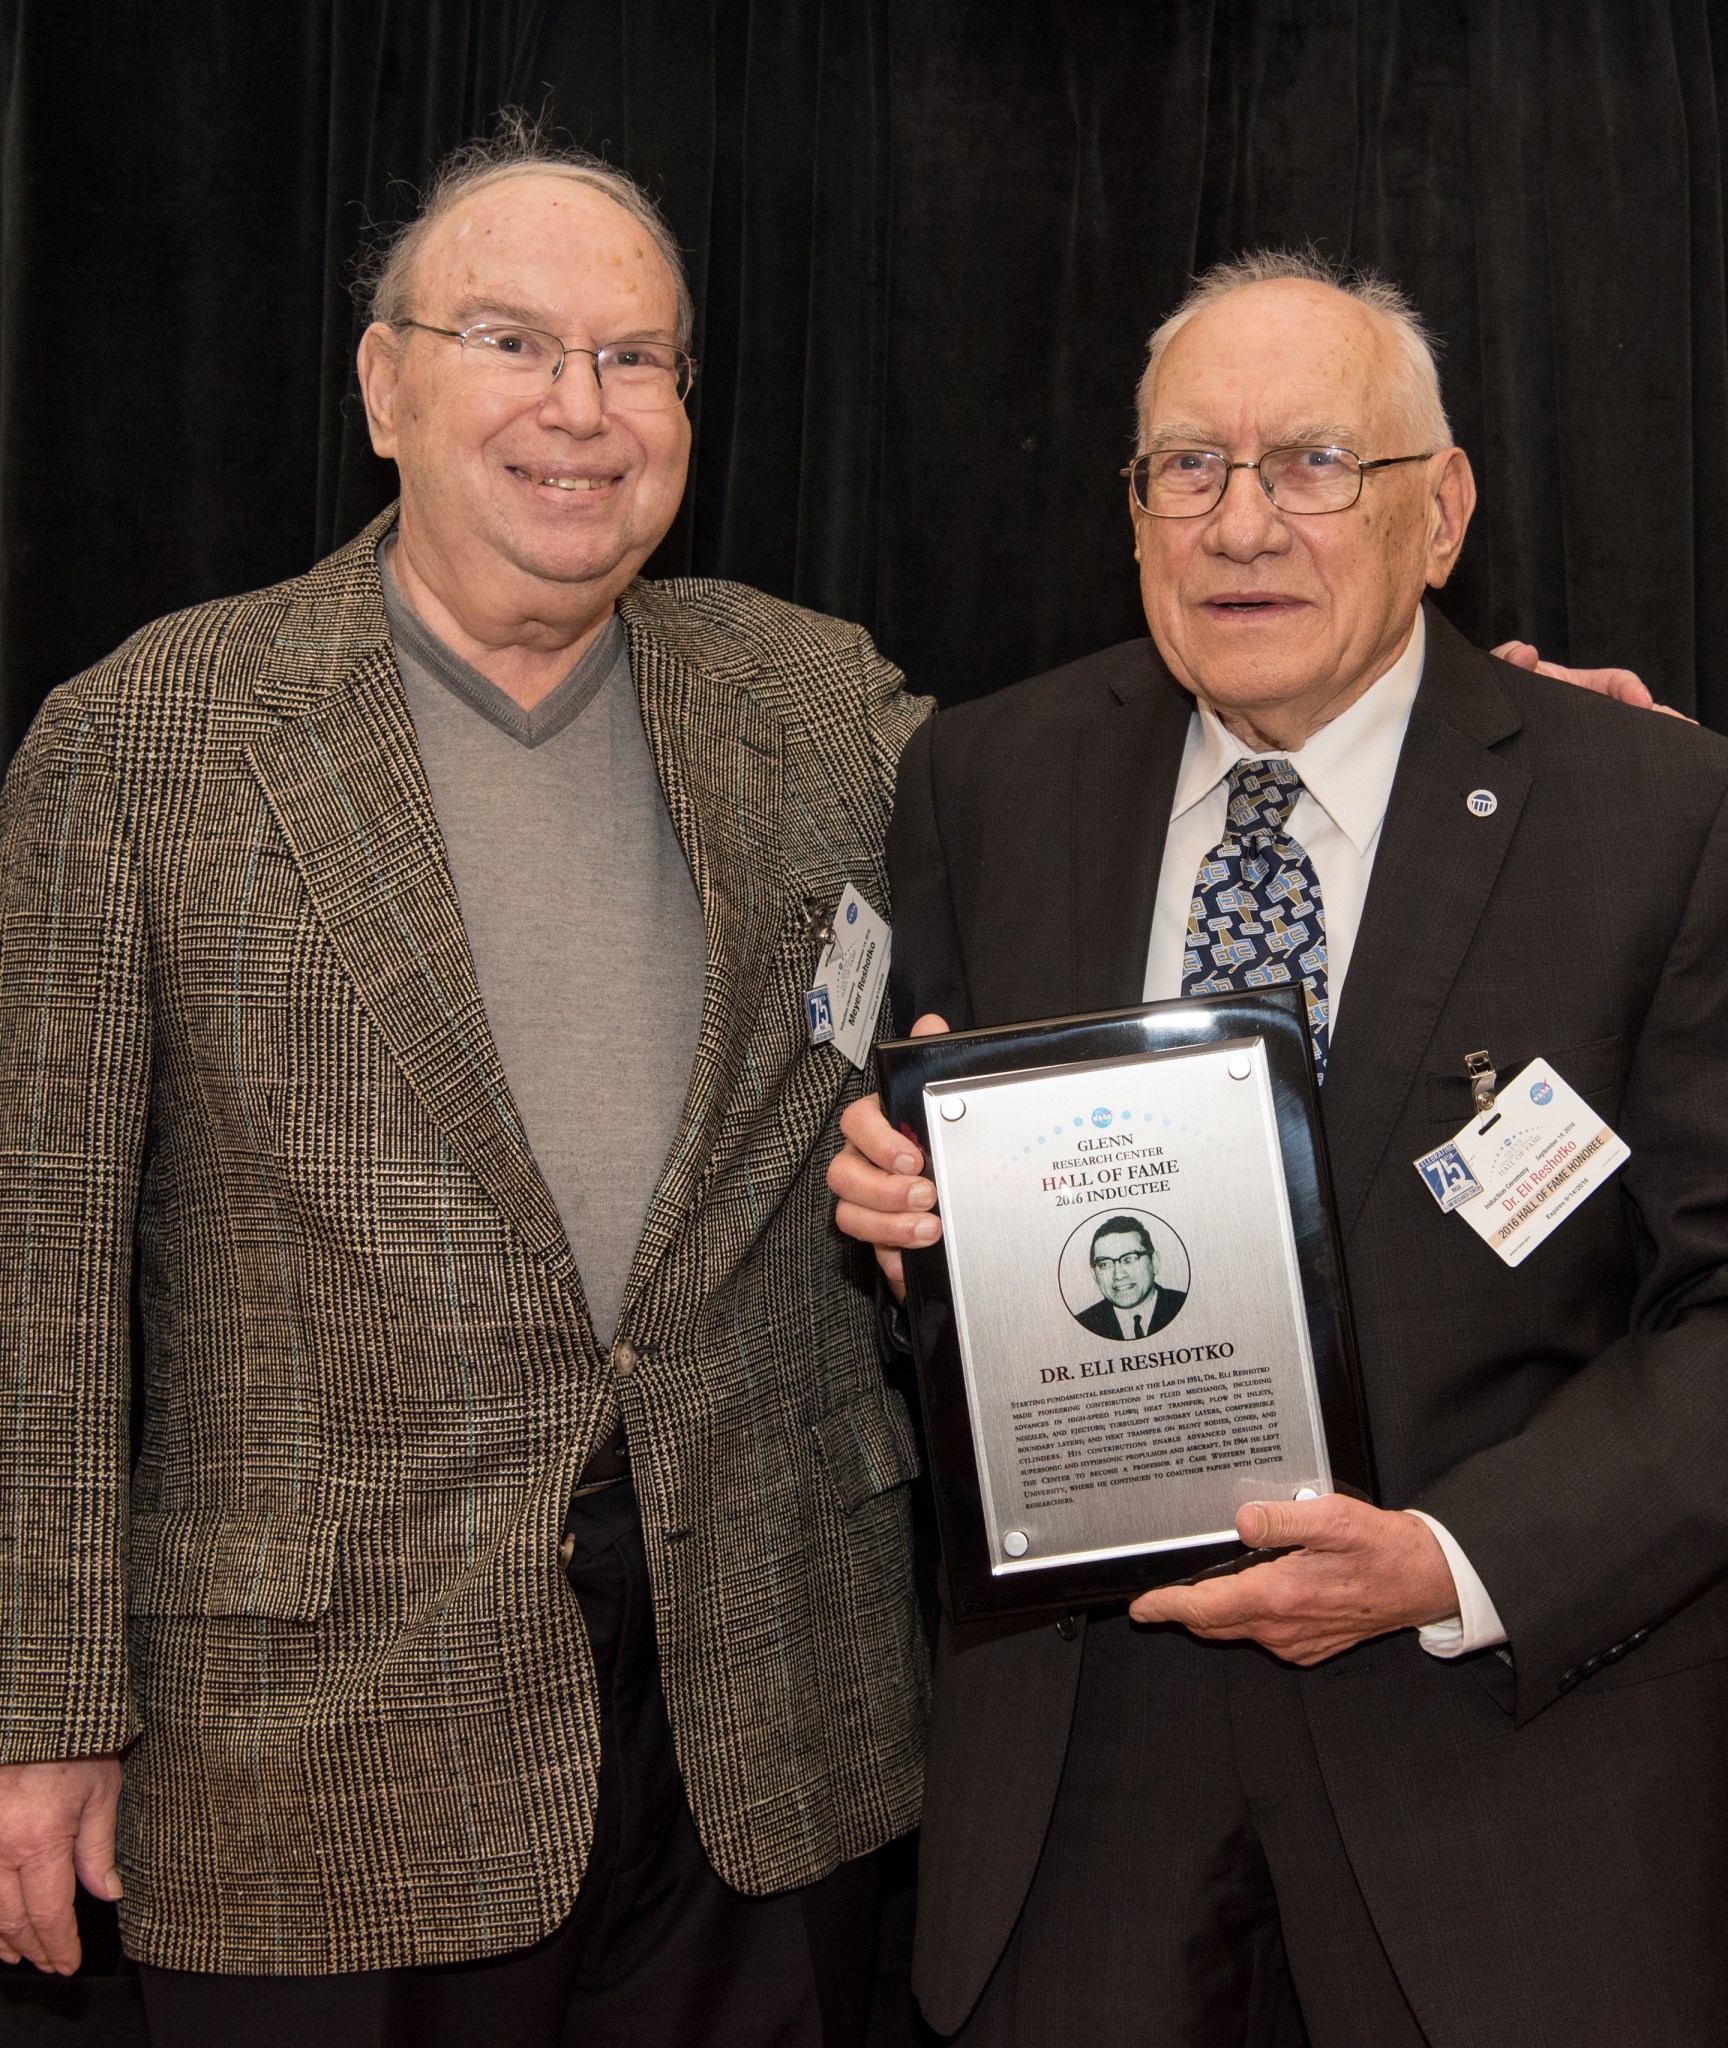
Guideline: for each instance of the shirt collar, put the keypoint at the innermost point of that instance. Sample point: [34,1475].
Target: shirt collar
[1347,766]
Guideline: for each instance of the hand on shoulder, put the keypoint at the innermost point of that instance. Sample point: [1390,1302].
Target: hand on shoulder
[1619,683]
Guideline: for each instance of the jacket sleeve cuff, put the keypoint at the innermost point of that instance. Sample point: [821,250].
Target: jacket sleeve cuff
[1476,1626]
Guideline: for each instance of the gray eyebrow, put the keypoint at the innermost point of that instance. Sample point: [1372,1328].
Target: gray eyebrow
[471,312]
[1305,436]
[1181,434]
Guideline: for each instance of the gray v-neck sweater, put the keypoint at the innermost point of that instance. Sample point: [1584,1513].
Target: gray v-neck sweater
[582,919]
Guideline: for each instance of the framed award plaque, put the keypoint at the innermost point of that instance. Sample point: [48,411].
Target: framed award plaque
[1136,1321]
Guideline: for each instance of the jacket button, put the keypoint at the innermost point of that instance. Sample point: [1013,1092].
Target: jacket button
[625,1358]
[567,1550]
[1068,1627]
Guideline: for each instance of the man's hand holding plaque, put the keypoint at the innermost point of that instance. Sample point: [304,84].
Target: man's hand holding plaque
[877,1176]
[1351,1571]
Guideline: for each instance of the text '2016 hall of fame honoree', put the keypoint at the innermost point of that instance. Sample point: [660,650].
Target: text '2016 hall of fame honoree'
[1128,1301]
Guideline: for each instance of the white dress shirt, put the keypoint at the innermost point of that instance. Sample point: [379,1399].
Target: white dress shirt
[1346,769]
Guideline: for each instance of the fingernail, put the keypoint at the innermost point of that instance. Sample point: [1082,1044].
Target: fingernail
[906,1162]
[925,1231]
[921,1195]
[116,1890]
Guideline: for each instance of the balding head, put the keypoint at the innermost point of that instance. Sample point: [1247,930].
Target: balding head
[1412,372]
[388,286]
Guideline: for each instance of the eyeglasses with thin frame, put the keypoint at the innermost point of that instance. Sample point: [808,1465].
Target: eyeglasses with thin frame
[1187,483]
[640,376]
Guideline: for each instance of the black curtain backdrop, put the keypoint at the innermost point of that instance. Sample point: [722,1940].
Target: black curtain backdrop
[928,239]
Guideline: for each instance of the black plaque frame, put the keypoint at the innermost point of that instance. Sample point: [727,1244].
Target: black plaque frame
[1278,1018]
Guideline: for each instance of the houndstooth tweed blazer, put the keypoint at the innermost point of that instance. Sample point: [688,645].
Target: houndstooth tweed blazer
[250,1106]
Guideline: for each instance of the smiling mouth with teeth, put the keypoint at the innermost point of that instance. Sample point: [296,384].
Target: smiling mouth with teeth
[568,483]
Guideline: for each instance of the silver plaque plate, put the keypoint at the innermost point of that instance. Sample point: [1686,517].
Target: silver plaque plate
[1127,1300]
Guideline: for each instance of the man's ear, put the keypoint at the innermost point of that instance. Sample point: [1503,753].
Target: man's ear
[379,365]
[1449,512]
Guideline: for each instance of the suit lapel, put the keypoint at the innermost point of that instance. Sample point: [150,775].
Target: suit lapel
[1122,781]
[1435,868]
[718,756]
[343,779]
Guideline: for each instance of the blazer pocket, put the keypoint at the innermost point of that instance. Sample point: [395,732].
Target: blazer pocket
[1590,1068]
[272,1567]
[867,1449]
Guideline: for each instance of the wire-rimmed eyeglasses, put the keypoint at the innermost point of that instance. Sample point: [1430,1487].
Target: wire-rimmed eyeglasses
[640,375]
[1187,483]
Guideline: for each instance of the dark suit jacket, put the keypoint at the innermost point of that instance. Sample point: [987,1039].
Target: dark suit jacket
[242,1052]
[1157,1310]
[1535,1837]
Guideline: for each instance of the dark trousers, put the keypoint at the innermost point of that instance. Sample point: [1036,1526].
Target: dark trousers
[657,1953]
[1194,1890]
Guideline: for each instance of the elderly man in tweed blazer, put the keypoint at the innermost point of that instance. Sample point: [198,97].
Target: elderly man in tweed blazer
[406,1675]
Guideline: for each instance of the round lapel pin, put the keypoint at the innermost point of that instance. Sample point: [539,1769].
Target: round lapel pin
[1483,803]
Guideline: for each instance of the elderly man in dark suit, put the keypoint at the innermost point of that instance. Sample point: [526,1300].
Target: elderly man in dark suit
[1452,1771]
[402,981]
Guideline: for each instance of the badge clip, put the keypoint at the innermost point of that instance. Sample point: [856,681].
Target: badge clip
[816,923]
[1479,1066]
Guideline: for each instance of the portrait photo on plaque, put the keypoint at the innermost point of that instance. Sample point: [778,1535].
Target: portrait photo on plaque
[1124,1276]
[1135,1322]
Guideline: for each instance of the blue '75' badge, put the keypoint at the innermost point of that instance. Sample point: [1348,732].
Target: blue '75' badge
[1449,1179]
[821,1011]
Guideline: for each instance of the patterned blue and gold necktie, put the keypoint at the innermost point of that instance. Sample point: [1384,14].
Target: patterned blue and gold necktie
[1256,920]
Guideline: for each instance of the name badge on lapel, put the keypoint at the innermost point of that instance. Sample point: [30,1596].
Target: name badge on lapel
[846,997]
[1529,1156]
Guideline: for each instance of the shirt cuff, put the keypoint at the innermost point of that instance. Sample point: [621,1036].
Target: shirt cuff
[1475,1626]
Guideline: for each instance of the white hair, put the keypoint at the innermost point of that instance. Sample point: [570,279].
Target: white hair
[1416,374]
[384,282]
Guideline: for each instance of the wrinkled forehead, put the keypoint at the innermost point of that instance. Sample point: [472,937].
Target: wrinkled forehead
[543,225]
[1277,362]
